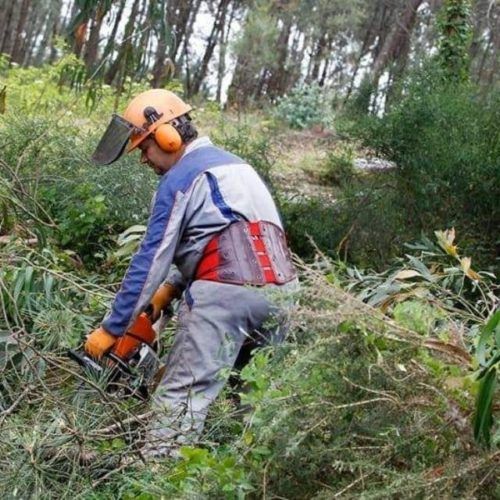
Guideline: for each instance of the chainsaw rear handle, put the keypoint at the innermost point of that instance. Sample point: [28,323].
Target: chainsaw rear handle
[141,332]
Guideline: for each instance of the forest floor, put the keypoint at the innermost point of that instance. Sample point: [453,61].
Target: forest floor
[300,158]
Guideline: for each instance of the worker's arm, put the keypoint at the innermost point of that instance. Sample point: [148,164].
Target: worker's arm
[150,265]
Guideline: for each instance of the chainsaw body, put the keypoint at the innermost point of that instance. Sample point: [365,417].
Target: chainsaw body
[132,365]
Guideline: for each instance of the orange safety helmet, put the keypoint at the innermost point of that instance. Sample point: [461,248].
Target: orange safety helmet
[149,112]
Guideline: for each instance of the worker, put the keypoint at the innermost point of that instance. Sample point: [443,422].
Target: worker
[214,239]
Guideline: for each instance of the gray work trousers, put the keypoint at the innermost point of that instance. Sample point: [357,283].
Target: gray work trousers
[214,321]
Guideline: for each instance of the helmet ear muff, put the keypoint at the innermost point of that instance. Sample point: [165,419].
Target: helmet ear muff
[168,138]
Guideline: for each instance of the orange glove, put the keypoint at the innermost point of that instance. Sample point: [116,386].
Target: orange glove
[99,342]
[162,298]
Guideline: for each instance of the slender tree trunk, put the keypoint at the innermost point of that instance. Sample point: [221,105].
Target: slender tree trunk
[319,53]
[479,22]
[397,43]
[182,36]
[160,65]
[385,22]
[30,37]
[92,46]
[221,68]
[80,34]
[179,23]
[3,14]
[71,11]
[45,31]
[211,43]
[326,66]
[112,37]
[127,46]
[6,45]
[492,77]
[17,54]
[278,79]
[142,44]
[50,31]
[367,41]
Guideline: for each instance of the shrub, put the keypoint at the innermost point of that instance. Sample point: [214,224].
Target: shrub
[303,107]
[444,141]
[252,146]
[339,167]
[55,181]
[362,226]
[311,224]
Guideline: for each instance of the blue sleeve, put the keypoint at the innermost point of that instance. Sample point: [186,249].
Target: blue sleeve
[150,265]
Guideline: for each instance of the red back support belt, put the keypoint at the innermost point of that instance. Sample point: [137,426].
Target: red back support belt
[261,252]
[253,253]
[209,263]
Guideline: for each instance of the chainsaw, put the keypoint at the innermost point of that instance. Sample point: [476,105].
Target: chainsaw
[132,365]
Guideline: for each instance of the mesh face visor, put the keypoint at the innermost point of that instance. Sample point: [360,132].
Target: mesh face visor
[113,141]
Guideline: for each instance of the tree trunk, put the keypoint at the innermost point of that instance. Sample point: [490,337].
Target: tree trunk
[112,37]
[326,66]
[80,34]
[145,17]
[126,47]
[319,53]
[278,79]
[30,36]
[17,54]
[179,22]
[6,45]
[221,68]
[297,54]
[160,66]
[365,46]
[211,43]
[92,46]
[184,35]
[492,77]
[3,14]
[386,21]
[397,42]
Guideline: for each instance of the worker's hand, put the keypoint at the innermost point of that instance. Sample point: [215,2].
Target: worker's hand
[162,299]
[99,342]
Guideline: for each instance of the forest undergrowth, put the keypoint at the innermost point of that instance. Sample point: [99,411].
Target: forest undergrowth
[360,400]
[385,386]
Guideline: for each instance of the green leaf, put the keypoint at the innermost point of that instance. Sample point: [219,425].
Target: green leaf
[48,283]
[483,419]
[493,325]
[18,286]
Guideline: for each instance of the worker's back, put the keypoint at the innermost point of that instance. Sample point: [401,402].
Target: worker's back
[225,191]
